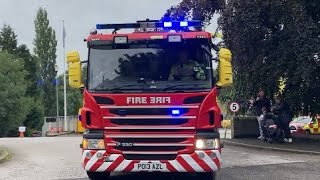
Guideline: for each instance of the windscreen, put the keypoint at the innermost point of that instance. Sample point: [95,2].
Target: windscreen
[150,67]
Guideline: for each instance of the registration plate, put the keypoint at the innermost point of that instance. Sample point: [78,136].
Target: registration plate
[152,166]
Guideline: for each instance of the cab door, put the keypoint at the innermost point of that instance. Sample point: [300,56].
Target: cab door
[314,126]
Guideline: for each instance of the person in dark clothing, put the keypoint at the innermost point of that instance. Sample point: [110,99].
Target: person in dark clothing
[261,102]
[282,109]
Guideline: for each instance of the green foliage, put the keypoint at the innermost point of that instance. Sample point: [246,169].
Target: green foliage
[269,40]
[8,39]
[14,103]
[194,9]
[34,118]
[45,51]
[274,38]
[8,43]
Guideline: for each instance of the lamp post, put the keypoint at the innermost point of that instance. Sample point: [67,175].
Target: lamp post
[57,89]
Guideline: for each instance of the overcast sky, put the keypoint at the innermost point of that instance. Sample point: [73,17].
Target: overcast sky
[80,16]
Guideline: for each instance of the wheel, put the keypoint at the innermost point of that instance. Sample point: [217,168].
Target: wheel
[308,132]
[209,176]
[98,175]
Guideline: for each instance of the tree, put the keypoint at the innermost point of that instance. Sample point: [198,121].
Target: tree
[8,43]
[194,9]
[45,51]
[8,39]
[13,86]
[269,40]
[34,118]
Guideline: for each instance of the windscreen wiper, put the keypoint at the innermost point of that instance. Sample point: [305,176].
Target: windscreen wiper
[178,85]
[125,85]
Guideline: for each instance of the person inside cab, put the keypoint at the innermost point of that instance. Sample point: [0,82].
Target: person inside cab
[186,69]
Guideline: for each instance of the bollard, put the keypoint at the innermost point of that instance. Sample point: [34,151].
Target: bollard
[21,134]
[22,129]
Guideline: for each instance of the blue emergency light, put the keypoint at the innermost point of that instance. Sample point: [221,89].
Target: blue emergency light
[152,24]
[175,112]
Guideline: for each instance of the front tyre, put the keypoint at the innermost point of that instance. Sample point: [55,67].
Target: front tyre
[209,176]
[98,175]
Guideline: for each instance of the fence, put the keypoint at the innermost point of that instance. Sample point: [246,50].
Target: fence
[55,125]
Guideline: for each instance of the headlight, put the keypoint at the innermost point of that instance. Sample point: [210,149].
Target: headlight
[207,144]
[93,144]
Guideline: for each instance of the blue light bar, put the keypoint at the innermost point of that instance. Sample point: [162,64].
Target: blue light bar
[175,112]
[151,24]
[167,24]
[184,24]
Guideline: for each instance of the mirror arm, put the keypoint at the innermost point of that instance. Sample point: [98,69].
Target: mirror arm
[81,90]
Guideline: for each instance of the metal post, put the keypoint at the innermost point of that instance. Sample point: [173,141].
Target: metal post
[64,79]
[57,89]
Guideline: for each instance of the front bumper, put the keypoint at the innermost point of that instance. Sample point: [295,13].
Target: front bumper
[199,161]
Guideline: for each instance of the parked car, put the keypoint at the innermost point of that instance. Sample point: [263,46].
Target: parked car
[36,134]
[297,125]
[313,126]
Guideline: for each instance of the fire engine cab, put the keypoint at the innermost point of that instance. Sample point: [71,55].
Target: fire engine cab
[150,99]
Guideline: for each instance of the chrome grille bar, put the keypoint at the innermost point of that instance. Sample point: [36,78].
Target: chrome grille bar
[154,144]
[149,152]
[149,127]
[148,136]
[149,107]
[149,117]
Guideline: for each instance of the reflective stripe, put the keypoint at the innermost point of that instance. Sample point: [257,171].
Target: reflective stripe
[93,160]
[209,162]
[192,163]
[177,166]
[122,165]
[183,163]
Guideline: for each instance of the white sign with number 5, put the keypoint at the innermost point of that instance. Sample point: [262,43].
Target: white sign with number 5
[234,107]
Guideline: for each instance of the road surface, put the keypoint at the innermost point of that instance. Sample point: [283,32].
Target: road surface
[59,158]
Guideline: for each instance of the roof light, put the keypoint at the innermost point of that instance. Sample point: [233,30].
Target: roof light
[93,32]
[167,24]
[174,38]
[151,24]
[121,40]
[184,24]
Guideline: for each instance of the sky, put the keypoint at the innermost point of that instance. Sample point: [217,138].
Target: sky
[80,16]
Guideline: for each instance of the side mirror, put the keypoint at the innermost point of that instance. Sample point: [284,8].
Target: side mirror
[74,69]
[225,68]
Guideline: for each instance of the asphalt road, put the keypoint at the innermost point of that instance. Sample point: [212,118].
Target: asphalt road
[59,158]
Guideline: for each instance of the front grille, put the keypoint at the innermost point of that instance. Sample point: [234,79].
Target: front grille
[150,140]
[149,157]
[149,121]
[151,148]
[153,132]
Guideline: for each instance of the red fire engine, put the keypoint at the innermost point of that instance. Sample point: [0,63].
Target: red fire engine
[150,99]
